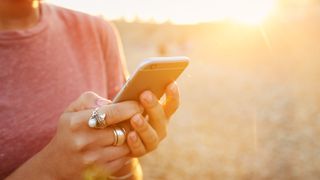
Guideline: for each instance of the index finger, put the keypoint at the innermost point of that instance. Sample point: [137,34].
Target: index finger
[115,113]
[86,100]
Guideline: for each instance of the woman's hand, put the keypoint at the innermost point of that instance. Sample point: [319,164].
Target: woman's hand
[81,147]
[148,132]
[78,149]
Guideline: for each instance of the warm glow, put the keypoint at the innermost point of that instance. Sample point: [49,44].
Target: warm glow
[177,11]
[250,11]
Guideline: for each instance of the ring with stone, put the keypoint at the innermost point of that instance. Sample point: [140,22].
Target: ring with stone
[97,119]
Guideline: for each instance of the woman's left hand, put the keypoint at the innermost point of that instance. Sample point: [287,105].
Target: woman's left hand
[148,132]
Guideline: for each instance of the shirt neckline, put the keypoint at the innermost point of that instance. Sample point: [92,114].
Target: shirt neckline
[29,32]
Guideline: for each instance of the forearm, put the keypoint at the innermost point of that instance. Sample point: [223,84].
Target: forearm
[131,171]
[34,168]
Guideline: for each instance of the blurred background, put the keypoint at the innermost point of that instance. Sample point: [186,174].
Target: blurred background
[250,97]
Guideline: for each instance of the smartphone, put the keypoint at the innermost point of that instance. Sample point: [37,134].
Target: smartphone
[154,74]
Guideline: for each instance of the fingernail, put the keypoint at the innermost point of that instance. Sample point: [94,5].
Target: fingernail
[133,137]
[138,120]
[102,102]
[147,97]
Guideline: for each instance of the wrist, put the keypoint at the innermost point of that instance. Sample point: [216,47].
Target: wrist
[46,163]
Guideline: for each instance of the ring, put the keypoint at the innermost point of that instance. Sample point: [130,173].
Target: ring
[119,136]
[97,119]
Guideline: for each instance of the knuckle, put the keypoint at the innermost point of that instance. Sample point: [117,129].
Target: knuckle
[88,159]
[88,95]
[79,144]
[73,123]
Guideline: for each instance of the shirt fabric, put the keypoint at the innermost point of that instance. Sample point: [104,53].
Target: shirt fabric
[46,67]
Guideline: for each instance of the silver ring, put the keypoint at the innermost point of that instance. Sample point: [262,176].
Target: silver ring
[97,119]
[119,136]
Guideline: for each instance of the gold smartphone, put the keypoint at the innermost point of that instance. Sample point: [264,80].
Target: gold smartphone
[154,74]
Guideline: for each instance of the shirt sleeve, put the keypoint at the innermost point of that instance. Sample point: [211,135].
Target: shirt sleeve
[114,59]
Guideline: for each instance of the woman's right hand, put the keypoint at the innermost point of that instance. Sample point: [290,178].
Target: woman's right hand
[78,150]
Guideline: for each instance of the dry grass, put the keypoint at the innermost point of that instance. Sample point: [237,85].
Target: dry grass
[249,110]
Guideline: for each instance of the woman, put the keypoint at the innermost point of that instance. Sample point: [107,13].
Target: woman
[54,63]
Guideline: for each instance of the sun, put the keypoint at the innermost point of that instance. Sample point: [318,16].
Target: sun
[251,12]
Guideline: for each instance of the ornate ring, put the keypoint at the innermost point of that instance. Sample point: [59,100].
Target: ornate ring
[97,119]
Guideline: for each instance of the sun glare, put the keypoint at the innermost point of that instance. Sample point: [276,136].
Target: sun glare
[251,12]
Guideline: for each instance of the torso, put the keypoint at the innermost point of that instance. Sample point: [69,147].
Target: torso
[41,73]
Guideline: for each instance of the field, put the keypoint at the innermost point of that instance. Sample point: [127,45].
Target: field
[250,99]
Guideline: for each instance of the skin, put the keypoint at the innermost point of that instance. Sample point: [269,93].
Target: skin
[77,150]
[148,132]
[18,14]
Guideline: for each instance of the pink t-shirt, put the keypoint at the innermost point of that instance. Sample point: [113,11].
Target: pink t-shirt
[46,67]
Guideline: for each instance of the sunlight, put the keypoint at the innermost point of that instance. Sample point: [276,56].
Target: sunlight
[250,12]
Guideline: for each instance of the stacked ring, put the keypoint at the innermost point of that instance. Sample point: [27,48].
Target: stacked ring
[97,119]
[119,136]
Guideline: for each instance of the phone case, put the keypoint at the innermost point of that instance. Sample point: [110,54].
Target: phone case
[154,74]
